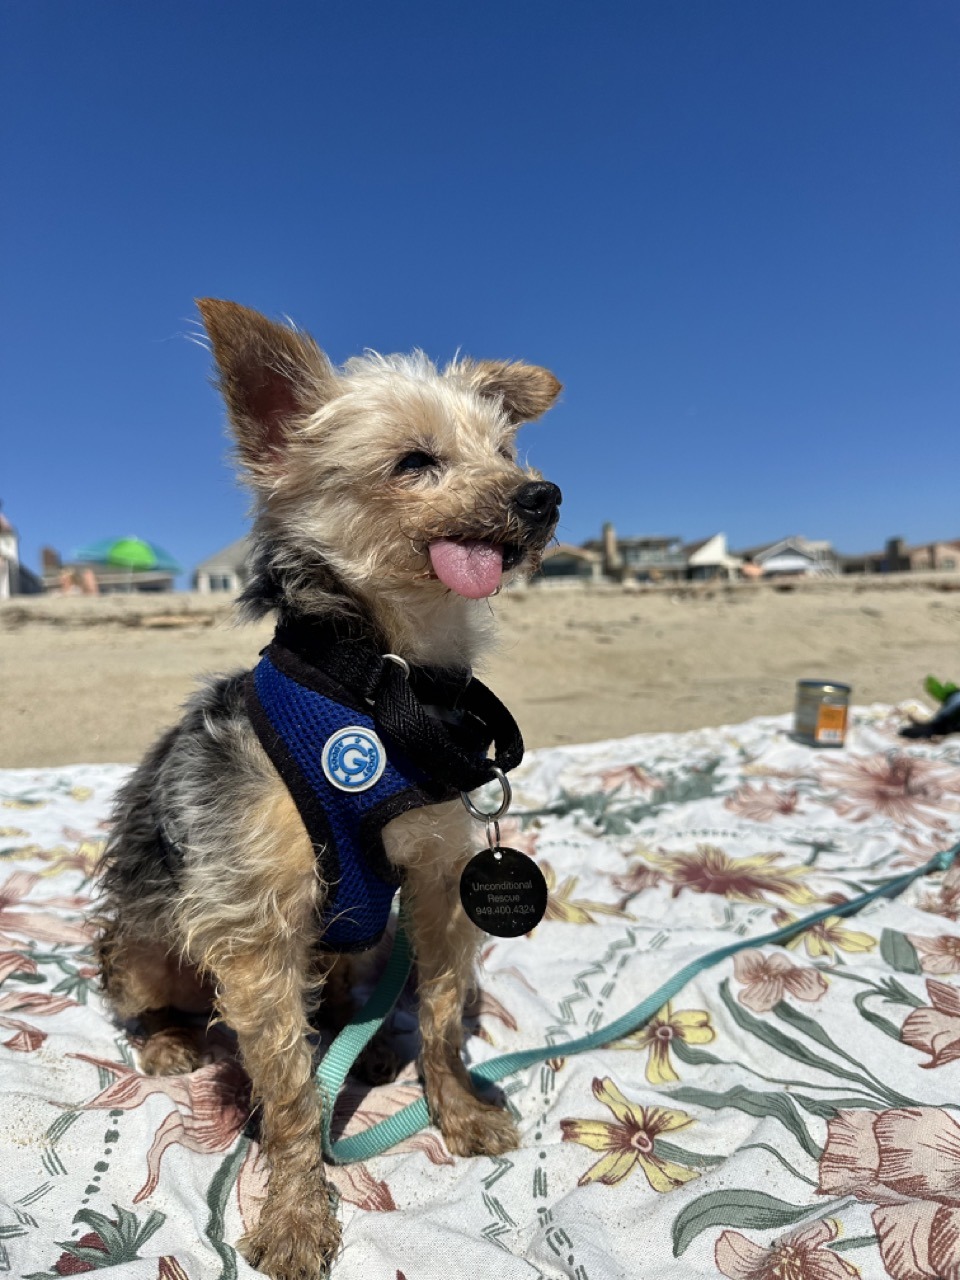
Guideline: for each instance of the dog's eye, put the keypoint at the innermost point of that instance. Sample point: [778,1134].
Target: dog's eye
[506,453]
[416,461]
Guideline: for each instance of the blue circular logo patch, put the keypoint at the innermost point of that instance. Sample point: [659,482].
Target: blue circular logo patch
[354,759]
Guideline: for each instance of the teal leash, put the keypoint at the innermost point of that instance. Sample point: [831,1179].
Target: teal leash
[351,1041]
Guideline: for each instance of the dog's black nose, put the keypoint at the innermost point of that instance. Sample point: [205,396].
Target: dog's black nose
[538,500]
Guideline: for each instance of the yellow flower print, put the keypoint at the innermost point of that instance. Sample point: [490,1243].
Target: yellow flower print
[83,857]
[561,905]
[629,1142]
[692,1026]
[825,939]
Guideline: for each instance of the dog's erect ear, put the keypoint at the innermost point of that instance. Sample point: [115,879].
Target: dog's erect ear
[526,390]
[270,376]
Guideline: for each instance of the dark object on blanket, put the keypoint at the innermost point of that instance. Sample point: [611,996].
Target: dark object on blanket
[946,720]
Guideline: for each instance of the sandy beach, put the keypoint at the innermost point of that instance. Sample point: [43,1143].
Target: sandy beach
[94,680]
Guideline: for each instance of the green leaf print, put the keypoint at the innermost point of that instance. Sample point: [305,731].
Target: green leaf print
[790,1047]
[109,1243]
[779,1106]
[692,1055]
[875,1019]
[612,814]
[680,1155]
[754,1210]
[218,1194]
[827,1108]
[899,952]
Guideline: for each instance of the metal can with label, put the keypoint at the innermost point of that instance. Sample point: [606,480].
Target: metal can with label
[821,714]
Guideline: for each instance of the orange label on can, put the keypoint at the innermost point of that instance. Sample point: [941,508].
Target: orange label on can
[831,723]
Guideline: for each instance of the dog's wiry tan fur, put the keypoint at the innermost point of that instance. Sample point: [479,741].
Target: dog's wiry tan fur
[341,530]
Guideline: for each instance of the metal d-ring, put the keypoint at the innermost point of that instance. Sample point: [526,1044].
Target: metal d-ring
[402,663]
[504,805]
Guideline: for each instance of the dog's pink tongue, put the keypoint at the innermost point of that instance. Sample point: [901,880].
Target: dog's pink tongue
[472,569]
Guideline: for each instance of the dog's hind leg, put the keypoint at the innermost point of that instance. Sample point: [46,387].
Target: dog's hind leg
[143,981]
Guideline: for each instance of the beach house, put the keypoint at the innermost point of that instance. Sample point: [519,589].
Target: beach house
[225,571]
[793,557]
[9,559]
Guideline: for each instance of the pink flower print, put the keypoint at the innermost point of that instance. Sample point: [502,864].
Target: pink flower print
[629,778]
[15,962]
[907,1162]
[768,978]
[938,955]
[800,1255]
[38,925]
[211,1108]
[905,789]
[763,803]
[27,1038]
[935,1028]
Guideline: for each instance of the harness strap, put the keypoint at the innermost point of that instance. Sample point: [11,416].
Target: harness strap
[426,741]
[339,1058]
[450,750]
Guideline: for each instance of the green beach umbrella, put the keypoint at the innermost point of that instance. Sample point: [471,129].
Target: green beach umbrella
[128,553]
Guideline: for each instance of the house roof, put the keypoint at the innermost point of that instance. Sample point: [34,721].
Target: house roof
[653,540]
[567,549]
[233,556]
[710,552]
[691,548]
[794,542]
[937,542]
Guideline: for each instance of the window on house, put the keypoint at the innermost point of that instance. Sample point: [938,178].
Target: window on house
[221,582]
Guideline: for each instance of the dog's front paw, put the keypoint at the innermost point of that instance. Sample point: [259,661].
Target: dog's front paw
[293,1244]
[478,1129]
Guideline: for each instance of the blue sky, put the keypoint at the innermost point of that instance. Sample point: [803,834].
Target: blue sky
[731,228]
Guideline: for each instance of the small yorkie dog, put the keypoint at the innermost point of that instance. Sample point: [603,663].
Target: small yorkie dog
[260,841]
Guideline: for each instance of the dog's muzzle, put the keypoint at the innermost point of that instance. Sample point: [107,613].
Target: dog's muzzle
[535,504]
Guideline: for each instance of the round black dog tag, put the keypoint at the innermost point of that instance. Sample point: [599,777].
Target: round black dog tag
[503,892]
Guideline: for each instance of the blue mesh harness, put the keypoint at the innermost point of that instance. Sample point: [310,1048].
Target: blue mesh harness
[356,748]
[294,723]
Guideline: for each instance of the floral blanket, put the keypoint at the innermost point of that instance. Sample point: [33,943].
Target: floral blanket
[793,1113]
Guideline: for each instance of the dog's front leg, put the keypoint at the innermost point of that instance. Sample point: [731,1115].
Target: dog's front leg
[445,944]
[298,1233]
[248,909]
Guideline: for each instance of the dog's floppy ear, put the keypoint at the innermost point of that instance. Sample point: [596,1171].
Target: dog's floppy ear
[270,376]
[525,390]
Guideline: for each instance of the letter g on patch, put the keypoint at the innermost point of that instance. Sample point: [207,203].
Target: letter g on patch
[353,759]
